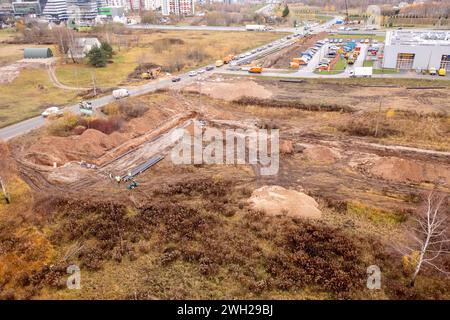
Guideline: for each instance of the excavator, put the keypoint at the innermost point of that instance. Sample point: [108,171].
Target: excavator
[151,74]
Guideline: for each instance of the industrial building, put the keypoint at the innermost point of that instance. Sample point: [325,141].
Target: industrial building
[417,49]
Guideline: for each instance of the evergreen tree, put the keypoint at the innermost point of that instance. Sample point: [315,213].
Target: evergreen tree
[105,46]
[285,11]
[97,57]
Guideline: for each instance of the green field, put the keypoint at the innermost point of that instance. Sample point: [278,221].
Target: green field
[356,36]
[339,67]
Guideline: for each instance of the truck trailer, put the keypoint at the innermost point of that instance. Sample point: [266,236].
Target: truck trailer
[361,72]
[255,27]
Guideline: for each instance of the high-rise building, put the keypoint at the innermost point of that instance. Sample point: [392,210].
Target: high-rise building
[56,10]
[26,7]
[178,7]
[82,10]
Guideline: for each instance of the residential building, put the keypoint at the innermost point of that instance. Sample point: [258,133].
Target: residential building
[178,7]
[417,49]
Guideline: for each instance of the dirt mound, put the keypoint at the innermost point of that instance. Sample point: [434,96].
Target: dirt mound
[404,170]
[321,154]
[282,58]
[286,147]
[276,200]
[231,90]
[87,146]
[143,67]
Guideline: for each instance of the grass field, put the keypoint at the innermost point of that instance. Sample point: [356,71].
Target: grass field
[339,67]
[28,95]
[356,36]
[211,46]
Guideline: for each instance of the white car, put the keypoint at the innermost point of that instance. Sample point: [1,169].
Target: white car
[201,71]
[192,73]
[52,111]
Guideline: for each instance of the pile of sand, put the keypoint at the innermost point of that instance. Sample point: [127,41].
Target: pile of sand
[231,90]
[405,170]
[276,200]
[321,154]
[87,146]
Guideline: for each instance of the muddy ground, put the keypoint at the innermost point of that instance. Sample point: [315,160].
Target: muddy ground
[281,59]
[371,182]
[320,158]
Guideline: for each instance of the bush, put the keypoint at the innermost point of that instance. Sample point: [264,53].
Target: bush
[63,126]
[105,125]
[132,110]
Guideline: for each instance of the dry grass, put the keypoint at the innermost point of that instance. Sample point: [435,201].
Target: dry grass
[28,95]
[162,48]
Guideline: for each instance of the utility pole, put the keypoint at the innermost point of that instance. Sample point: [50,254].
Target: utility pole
[347,20]
[5,193]
[93,84]
[378,118]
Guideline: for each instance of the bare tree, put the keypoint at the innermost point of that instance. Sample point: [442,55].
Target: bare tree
[430,236]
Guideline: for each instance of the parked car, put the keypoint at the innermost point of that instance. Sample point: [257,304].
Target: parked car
[209,68]
[201,71]
[176,79]
[192,73]
[52,111]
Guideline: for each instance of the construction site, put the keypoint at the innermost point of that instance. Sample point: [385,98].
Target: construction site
[102,192]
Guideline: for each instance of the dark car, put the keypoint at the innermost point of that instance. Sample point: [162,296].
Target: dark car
[176,79]
[209,68]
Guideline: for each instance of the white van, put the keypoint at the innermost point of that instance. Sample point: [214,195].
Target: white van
[120,93]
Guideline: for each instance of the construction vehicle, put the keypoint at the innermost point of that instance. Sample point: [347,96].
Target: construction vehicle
[133,185]
[442,72]
[294,65]
[86,108]
[255,70]
[219,63]
[228,58]
[351,60]
[151,74]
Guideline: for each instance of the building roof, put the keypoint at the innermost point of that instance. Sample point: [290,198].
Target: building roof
[418,37]
[30,53]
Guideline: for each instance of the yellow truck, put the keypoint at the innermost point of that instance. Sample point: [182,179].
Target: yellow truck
[151,74]
[228,58]
[442,72]
[255,70]
[219,63]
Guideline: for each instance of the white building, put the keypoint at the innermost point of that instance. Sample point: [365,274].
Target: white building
[178,7]
[56,10]
[82,46]
[417,49]
[136,4]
